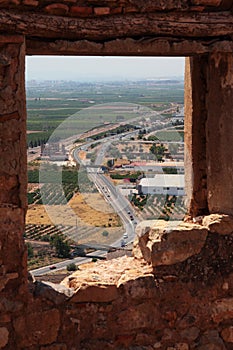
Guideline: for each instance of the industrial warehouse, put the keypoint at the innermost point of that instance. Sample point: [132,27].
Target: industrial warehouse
[162,184]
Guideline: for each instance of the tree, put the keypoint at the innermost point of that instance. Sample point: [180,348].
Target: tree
[30,250]
[62,248]
[110,163]
[158,151]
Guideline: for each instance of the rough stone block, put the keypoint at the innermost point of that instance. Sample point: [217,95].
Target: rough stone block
[42,328]
[31,2]
[219,223]
[211,340]
[140,316]
[95,293]
[190,333]
[130,9]
[10,2]
[82,11]
[100,11]
[57,9]
[169,243]
[4,337]
[227,334]
[215,3]
[222,309]
[56,293]
[138,287]
[116,10]
[179,346]
[54,347]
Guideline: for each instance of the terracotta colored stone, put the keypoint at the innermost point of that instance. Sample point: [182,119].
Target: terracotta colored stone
[116,10]
[166,244]
[220,138]
[8,182]
[31,2]
[217,223]
[4,337]
[222,309]
[197,8]
[227,334]
[42,328]
[181,346]
[9,2]
[51,291]
[100,11]
[139,316]
[55,347]
[207,2]
[124,340]
[190,334]
[95,293]
[137,288]
[130,9]
[211,340]
[57,9]
[195,136]
[82,11]
[5,318]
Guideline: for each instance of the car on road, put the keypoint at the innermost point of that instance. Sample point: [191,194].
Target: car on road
[122,243]
[125,235]
[52,267]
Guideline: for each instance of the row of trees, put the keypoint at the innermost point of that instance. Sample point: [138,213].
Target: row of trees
[62,248]
[38,142]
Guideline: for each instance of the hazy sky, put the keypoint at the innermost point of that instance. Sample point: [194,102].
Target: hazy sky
[102,68]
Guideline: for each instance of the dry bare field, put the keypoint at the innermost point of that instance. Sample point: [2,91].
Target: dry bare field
[90,209]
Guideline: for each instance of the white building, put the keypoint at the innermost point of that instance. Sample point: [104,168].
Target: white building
[162,184]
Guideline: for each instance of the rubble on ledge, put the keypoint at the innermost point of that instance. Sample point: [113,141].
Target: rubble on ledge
[107,273]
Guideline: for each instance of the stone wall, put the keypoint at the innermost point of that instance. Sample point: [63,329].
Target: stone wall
[87,8]
[120,27]
[179,298]
[176,293]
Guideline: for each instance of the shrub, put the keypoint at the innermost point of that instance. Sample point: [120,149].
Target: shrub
[71,267]
[105,233]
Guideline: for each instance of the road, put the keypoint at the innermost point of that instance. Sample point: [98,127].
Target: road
[111,194]
[63,264]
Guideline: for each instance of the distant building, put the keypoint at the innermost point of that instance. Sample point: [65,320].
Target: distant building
[178,117]
[171,184]
[54,151]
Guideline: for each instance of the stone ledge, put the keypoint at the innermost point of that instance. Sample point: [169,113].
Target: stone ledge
[168,243]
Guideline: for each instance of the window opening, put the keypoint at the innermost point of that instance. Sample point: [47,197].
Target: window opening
[105,151]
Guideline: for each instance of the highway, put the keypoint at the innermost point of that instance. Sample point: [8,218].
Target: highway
[63,264]
[111,194]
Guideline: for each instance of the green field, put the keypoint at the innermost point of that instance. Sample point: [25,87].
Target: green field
[50,103]
[170,135]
